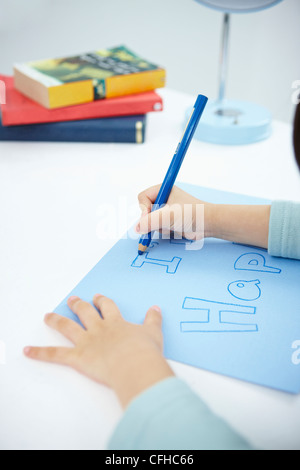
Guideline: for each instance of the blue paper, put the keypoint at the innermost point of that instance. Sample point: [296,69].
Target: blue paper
[227,308]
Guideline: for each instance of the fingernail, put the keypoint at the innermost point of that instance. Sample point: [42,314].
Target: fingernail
[157,308]
[138,228]
[96,296]
[27,350]
[72,298]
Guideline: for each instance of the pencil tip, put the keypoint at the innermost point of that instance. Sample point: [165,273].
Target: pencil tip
[142,249]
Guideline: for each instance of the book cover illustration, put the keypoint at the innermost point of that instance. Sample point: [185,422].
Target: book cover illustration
[96,75]
[97,66]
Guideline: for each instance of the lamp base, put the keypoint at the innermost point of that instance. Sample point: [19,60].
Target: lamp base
[233,123]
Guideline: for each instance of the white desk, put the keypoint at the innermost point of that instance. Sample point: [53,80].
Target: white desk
[49,239]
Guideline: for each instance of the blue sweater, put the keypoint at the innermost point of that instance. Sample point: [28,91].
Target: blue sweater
[169,415]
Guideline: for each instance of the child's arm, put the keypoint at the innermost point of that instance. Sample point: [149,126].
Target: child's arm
[241,224]
[161,411]
[171,416]
[248,225]
[284,230]
[275,227]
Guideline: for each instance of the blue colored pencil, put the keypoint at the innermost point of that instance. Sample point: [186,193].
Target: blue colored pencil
[175,166]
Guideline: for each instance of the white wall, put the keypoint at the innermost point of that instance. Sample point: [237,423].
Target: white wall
[180,35]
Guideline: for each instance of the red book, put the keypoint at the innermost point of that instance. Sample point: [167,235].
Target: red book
[20,110]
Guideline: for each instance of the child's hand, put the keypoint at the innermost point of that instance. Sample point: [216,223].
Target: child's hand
[126,357]
[182,215]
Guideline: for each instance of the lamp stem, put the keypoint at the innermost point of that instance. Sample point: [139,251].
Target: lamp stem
[224,56]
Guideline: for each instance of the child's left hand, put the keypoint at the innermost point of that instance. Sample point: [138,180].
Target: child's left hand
[125,356]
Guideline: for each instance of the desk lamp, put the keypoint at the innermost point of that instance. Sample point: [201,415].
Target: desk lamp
[226,121]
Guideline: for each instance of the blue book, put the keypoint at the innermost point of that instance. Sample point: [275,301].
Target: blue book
[124,129]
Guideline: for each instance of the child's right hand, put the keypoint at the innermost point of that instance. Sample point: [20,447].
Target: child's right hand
[193,219]
[183,215]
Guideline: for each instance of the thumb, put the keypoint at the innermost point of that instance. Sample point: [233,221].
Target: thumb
[150,222]
[153,317]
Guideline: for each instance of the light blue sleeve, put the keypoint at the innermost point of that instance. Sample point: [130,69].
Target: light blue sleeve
[284,230]
[170,416]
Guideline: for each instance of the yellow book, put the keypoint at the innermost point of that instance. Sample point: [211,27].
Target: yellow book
[107,73]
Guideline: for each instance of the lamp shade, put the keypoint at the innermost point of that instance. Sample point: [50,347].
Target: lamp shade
[239,6]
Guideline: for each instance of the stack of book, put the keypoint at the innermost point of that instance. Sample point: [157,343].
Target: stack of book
[102,96]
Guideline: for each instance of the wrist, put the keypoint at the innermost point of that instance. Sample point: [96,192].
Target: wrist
[210,220]
[138,372]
